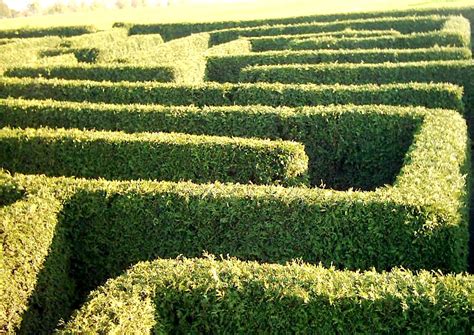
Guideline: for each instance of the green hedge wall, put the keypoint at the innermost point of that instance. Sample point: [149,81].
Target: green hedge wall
[101,228]
[212,94]
[280,42]
[421,40]
[220,34]
[112,46]
[239,46]
[165,296]
[65,31]
[175,30]
[160,156]
[30,230]
[112,72]
[457,72]
[28,50]
[357,155]
[405,25]
[226,68]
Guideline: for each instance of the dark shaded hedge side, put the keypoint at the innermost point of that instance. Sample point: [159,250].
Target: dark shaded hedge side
[212,94]
[226,68]
[166,296]
[65,31]
[158,156]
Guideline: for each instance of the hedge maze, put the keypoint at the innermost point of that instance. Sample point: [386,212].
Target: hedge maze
[299,175]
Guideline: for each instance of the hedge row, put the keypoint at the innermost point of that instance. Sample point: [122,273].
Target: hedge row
[112,72]
[161,156]
[174,30]
[226,68]
[111,46]
[64,31]
[280,42]
[247,297]
[239,46]
[365,149]
[104,227]
[421,40]
[405,25]
[28,50]
[457,72]
[182,59]
[213,94]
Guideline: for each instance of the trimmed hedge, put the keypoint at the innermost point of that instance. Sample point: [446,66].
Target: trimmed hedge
[111,46]
[112,72]
[104,227]
[457,72]
[280,42]
[226,68]
[405,25]
[212,94]
[166,296]
[221,34]
[159,156]
[421,40]
[239,46]
[175,30]
[28,50]
[64,31]
[356,156]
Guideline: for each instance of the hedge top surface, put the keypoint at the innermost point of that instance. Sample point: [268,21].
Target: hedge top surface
[248,297]
[428,95]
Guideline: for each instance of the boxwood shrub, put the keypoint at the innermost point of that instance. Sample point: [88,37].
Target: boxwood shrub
[405,25]
[420,40]
[159,156]
[457,72]
[166,296]
[92,230]
[175,30]
[112,72]
[221,34]
[226,68]
[362,159]
[213,94]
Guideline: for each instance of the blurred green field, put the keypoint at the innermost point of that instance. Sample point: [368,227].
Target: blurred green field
[256,9]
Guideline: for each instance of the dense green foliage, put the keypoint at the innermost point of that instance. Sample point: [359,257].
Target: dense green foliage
[332,157]
[118,72]
[346,154]
[407,24]
[457,72]
[159,156]
[246,297]
[50,31]
[226,68]
[213,94]
[420,40]
[420,222]
[175,30]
